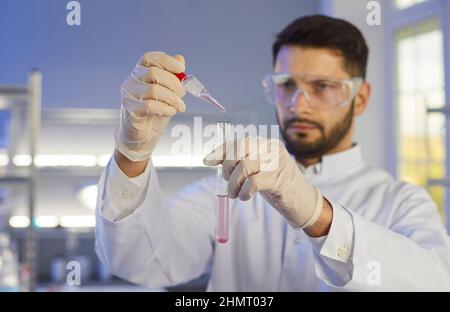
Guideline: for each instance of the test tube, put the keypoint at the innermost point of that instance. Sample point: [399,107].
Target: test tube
[222,202]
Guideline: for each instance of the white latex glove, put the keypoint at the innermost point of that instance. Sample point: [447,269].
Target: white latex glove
[265,166]
[150,96]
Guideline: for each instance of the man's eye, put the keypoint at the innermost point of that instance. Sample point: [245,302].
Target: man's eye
[321,86]
[288,85]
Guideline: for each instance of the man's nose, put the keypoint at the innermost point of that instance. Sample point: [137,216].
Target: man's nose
[301,102]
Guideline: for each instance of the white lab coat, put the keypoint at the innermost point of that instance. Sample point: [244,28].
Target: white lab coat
[385,235]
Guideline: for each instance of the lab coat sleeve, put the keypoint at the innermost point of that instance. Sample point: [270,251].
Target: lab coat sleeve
[152,242]
[411,254]
[124,194]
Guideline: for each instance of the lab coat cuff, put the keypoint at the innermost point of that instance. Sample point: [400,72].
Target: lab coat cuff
[111,218]
[123,194]
[118,177]
[333,253]
[124,190]
[338,244]
[106,214]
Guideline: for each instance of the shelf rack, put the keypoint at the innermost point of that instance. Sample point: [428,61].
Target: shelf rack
[26,100]
[445,182]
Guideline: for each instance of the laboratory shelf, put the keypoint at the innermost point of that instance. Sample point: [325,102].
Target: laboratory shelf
[19,101]
[442,110]
[14,179]
[445,182]
[440,182]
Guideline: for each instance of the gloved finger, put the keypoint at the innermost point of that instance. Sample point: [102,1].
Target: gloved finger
[228,167]
[217,156]
[258,182]
[159,108]
[244,148]
[162,94]
[154,74]
[241,172]
[180,58]
[233,155]
[133,88]
[139,110]
[268,153]
[136,89]
[259,149]
[163,61]
[135,107]
[225,154]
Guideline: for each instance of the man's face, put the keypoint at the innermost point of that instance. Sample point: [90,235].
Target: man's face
[308,131]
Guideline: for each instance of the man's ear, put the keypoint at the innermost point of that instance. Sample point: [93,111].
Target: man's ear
[362,98]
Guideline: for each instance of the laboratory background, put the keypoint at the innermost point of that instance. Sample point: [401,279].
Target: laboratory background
[60,100]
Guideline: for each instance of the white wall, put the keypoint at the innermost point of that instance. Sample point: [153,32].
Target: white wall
[371,130]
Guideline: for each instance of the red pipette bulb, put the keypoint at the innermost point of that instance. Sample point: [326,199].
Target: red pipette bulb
[181,76]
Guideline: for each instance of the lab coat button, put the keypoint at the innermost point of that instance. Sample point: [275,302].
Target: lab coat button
[126,194]
[298,239]
[342,252]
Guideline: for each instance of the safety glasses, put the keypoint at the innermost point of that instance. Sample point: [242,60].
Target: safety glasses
[320,92]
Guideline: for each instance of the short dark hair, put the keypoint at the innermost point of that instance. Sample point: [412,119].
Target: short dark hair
[319,31]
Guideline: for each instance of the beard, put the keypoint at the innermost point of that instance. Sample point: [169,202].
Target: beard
[302,149]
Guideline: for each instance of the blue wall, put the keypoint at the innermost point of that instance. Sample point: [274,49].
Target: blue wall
[227,44]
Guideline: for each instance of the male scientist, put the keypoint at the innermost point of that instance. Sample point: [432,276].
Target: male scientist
[321,220]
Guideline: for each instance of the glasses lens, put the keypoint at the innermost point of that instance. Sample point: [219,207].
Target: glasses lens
[327,93]
[284,89]
[268,88]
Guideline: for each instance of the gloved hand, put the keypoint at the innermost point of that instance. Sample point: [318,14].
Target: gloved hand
[150,97]
[265,166]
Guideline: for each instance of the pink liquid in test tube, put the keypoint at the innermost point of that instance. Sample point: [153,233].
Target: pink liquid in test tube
[223,201]
[223,224]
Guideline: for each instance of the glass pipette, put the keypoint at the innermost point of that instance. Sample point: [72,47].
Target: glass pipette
[197,89]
